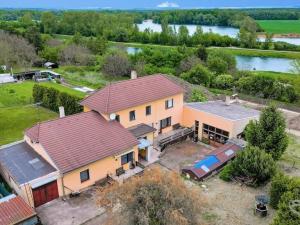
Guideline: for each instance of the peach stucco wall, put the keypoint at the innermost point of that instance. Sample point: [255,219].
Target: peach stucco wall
[190,115]
[158,112]
[97,171]
[234,127]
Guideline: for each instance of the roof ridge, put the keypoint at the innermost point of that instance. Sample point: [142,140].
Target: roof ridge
[108,98]
[60,118]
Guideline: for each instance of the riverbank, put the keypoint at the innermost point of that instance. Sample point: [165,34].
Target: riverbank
[232,50]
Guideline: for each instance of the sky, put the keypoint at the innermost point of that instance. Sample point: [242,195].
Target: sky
[145,4]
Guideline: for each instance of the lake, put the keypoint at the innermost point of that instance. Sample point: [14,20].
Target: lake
[264,64]
[229,31]
[155,27]
[250,62]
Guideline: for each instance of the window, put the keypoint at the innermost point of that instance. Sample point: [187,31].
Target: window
[84,175]
[118,118]
[165,123]
[127,158]
[148,110]
[132,115]
[169,103]
[215,134]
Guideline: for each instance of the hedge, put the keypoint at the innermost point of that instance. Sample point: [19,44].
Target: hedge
[52,98]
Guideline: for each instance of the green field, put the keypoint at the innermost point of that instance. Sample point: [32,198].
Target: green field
[280,26]
[14,120]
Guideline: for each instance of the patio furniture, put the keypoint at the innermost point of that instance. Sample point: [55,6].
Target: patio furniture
[120,171]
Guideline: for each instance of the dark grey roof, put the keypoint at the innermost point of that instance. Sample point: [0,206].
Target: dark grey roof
[234,111]
[141,129]
[23,163]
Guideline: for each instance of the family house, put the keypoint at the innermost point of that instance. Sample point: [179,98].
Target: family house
[115,132]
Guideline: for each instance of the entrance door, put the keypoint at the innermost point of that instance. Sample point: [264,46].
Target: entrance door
[45,193]
[196,131]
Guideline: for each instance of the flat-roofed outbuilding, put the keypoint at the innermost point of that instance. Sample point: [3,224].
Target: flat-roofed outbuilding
[216,121]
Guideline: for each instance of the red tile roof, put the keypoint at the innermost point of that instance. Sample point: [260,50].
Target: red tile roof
[78,140]
[14,211]
[126,94]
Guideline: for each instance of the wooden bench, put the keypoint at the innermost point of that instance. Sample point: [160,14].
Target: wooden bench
[120,171]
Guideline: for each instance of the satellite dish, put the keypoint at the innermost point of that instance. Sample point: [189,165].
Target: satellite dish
[112,116]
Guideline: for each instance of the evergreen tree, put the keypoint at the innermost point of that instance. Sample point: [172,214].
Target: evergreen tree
[269,132]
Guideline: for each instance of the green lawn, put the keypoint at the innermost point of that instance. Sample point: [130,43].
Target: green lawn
[16,111]
[15,120]
[292,154]
[18,94]
[63,89]
[280,26]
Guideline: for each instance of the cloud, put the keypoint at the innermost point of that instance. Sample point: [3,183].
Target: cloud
[168,5]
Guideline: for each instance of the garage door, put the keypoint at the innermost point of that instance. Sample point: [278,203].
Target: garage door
[45,193]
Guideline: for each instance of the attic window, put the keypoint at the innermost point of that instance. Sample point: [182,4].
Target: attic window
[36,163]
[229,152]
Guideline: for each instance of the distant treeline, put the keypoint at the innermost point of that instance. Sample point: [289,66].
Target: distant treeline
[222,17]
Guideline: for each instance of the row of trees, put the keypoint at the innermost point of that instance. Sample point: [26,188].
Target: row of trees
[52,99]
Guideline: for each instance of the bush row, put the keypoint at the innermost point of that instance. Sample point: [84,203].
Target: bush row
[52,98]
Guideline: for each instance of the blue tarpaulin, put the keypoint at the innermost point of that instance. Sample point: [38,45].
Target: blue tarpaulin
[143,143]
[208,161]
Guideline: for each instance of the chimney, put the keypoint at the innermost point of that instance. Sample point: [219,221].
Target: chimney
[227,100]
[61,111]
[133,74]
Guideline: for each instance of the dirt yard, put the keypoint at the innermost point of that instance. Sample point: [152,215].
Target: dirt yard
[182,154]
[228,203]
[231,203]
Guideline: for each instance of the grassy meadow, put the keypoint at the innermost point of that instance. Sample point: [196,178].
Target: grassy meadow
[17,112]
[14,120]
[280,26]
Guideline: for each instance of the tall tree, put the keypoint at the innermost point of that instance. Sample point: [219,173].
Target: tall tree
[247,35]
[269,132]
[49,23]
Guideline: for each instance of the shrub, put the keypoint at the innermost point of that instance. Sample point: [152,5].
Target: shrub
[198,75]
[158,197]
[252,165]
[116,64]
[223,57]
[226,173]
[188,63]
[52,99]
[217,65]
[197,96]
[224,81]
[280,185]
[288,212]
